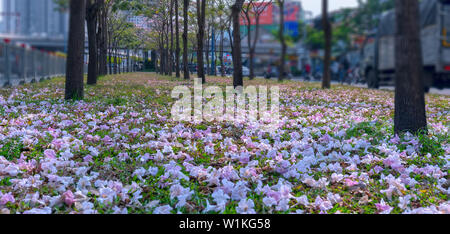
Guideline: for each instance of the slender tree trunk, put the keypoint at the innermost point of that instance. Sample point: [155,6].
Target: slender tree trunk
[91,19]
[237,55]
[249,42]
[167,56]
[208,38]
[75,56]
[162,61]
[222,69]
[326,80]
[104,40]
[185,39]
[230,37]
[172,62]
[201,6]
[177,41]
[249,45]
[283,41]
[410,114]
[116,60]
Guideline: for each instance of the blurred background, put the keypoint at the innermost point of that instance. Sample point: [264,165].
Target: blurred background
[356,52]
[35,22]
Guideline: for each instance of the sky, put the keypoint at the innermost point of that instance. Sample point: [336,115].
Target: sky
[316,5]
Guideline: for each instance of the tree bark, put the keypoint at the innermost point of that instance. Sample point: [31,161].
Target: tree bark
[222,68]
[237,54]
[171,59]
[91,20]
[208,37]
[249,40]
[103,44]
[75,59]
[177,41]
[410,114]
[185,39]
[326,80]
[168,72]
[201,6]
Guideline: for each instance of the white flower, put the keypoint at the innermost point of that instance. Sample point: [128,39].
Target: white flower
[404,202]
[153,171]
[283,205]
[167,149]
[303,200]
[269,201]
[209,207]
[12,170]
[140,173]
[334,198]
[94,151]
[66,154]
[88,208]
[245,206]
[107,196]
[220,197]
[162,210]
[45,210]
[239,192]
[159,156]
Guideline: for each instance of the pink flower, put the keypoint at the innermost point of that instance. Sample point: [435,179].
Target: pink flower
[8,197]
[383,208]
[350,182]
[49,153]
[68,197]
[88,158]
[395,140]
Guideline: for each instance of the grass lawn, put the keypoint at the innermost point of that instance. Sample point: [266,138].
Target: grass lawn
[118,151]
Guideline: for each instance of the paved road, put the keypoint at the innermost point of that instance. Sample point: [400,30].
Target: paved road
[445,91]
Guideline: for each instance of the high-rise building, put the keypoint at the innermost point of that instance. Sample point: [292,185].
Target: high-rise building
[35,18]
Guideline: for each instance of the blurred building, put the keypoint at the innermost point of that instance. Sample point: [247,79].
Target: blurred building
[268,47]
[140,22]
[36,22]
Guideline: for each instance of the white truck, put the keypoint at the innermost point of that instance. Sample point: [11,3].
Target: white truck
[378,60]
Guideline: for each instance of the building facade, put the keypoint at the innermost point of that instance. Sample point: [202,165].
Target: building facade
[34,18]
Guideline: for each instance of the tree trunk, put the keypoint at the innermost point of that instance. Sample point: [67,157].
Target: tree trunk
[104,40]
[208,37]
[167,56]
[326,80]
[177,41]
[171,59]
[75,56]
[249,45]
[109,54]
[200,38]
[185,39]
[410,114]
[237,55]
[222,69]
[91,20]
[283,42]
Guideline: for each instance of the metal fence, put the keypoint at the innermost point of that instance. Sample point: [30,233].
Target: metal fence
[20,65]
